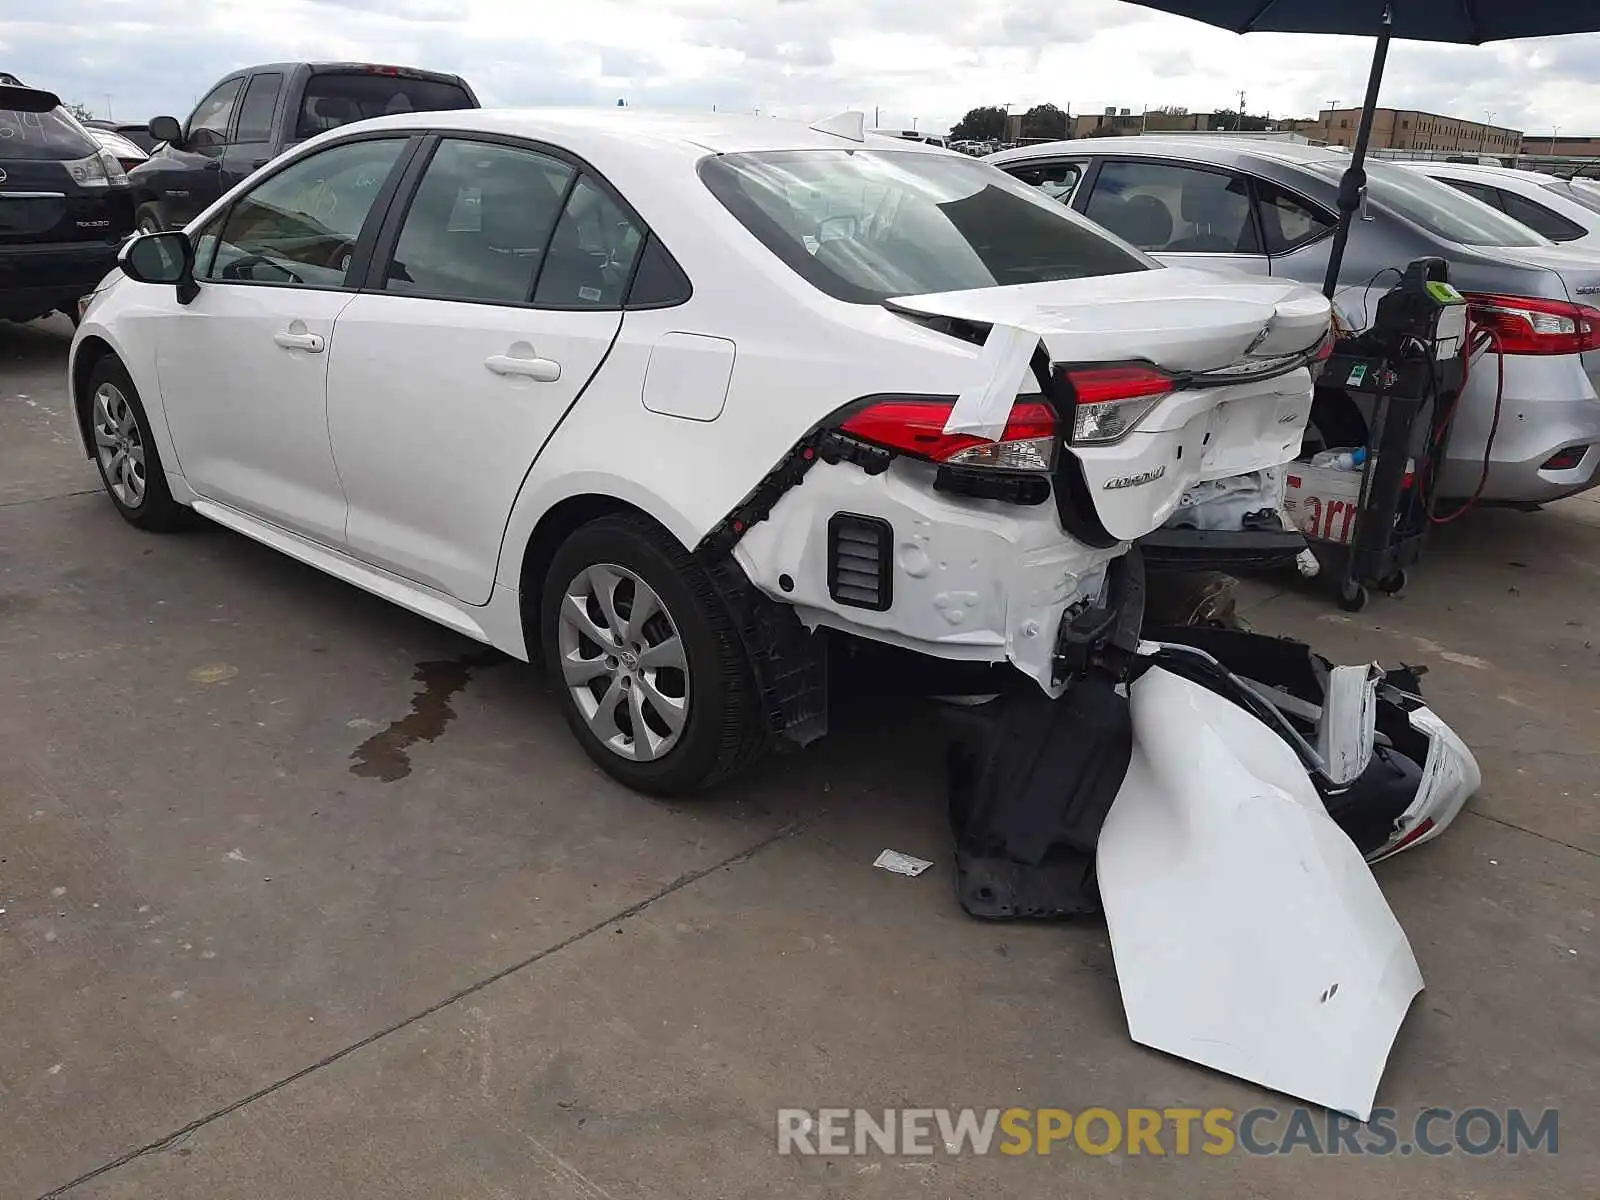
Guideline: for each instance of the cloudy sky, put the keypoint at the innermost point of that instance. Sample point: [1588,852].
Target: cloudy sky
[913,59]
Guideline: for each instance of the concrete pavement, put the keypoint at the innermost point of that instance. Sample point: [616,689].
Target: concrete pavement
[264,935]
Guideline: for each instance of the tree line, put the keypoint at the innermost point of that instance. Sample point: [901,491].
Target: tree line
[987,123]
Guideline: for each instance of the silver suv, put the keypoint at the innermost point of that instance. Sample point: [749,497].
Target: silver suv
[1269,208]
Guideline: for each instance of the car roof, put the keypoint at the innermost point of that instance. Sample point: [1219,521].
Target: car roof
[1480,171]
[1218,149]
[610,131]
[319,67]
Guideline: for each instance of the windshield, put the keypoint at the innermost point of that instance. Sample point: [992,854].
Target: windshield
[865,225]
[1437,207]
[49,137]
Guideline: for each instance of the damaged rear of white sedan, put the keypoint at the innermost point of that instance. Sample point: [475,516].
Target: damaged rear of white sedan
[663,397]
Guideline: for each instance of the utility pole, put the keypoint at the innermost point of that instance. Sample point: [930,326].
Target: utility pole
[875,121]
[1238,126]
[1489,120]
[1333,107]
[108,107]
[1553,132]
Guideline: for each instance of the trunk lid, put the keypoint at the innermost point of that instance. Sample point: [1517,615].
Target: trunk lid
[1186,322]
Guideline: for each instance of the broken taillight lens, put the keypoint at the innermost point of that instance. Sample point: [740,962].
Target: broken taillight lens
[1110,400]
[915,426]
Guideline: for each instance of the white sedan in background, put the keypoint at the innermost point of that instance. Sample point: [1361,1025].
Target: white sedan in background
[1562,211]
[611,383]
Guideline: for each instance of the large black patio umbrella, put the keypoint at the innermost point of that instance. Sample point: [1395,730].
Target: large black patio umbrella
[1468,22]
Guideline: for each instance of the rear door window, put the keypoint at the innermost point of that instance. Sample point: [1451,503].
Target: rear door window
[208,126]
[1288,221]
[591,254]
[1174,209]
[255,111]
[333,99]
[479,224]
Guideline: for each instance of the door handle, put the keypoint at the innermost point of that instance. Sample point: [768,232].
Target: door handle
[311,343]
[543,370]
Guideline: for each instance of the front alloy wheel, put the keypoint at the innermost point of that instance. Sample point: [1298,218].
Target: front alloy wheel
[623,662]
[119,445]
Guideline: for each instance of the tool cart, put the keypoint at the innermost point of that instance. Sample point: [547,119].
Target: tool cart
[1408,370]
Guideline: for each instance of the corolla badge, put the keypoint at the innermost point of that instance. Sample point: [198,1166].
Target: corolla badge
[1139,480]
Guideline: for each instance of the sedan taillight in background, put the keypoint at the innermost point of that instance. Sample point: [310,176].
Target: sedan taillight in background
[915,426]
[1530,325]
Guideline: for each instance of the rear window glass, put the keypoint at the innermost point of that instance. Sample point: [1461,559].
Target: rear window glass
[1437,207]
[336,99]
[50,136]
[865,225]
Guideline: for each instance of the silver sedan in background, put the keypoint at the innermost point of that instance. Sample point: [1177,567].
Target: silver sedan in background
[1270,208]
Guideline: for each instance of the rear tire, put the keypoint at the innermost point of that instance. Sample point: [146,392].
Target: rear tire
[125,452]
[667,705]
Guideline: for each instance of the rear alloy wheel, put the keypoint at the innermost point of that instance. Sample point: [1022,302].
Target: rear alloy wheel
[644,659]
[130,465]
[623,662]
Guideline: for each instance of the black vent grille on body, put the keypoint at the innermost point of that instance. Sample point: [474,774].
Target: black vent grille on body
[859,564]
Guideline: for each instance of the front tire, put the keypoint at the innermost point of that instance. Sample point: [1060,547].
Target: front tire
[125,452]
[645,661]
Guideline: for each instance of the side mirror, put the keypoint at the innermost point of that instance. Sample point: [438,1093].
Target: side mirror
[167,129]
[161,258]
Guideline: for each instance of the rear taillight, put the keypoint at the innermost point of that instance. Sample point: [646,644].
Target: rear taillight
[1321,355]
[1529,325]
[916,427]
[1111,400]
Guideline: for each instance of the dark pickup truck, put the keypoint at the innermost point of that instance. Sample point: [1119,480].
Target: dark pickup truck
[257,113]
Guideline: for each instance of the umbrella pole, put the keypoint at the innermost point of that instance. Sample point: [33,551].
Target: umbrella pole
[1355,178]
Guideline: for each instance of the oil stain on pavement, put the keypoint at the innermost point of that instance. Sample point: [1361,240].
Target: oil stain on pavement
[385,755]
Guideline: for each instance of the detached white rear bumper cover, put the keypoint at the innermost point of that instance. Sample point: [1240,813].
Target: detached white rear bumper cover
[1249,934]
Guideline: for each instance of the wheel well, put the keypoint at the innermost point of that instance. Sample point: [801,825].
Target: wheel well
[1337,417]
[554,528]
[90,352]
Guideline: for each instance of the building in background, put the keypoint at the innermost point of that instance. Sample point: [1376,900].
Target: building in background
[1408,129]
[1124,122]
[1562,147]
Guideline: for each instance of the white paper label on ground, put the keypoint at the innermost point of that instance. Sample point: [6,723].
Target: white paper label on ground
[901,864]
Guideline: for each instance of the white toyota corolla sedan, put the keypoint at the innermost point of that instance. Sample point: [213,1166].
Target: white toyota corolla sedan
[663,394]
